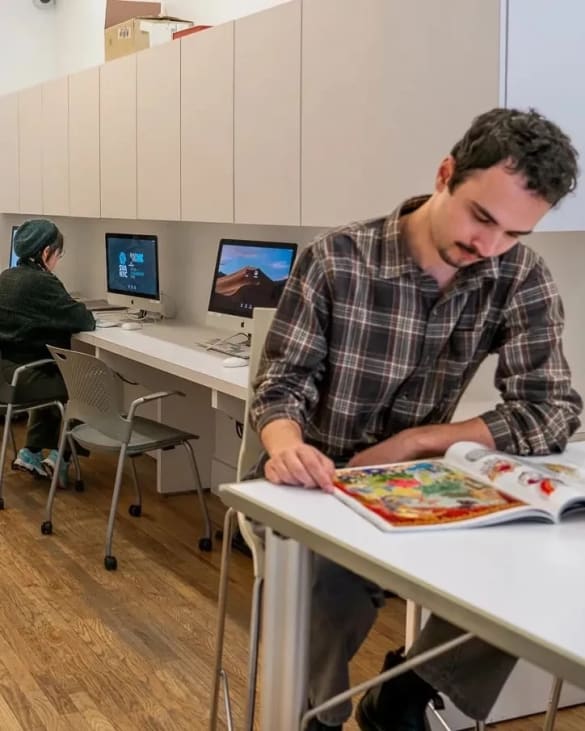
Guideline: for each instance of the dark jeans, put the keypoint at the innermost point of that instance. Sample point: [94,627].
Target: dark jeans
[43,383]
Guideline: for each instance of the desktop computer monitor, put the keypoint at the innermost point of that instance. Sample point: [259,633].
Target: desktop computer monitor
[13,261]
[247,274]
[132,271]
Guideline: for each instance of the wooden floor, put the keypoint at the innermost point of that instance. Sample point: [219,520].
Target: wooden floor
[82,648]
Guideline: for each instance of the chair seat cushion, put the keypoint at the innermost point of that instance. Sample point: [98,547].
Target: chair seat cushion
[146,436]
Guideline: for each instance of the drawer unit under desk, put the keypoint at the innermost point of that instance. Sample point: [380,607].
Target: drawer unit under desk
[227,441]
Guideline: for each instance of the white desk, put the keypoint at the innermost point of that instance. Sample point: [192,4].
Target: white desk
[519,587]
[165,356]
[172,349]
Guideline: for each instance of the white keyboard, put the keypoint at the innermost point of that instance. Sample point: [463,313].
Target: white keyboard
[107,323]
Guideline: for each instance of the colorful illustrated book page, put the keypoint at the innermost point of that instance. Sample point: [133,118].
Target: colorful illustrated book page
[421,494]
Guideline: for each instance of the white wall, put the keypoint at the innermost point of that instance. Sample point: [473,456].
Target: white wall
[27,45]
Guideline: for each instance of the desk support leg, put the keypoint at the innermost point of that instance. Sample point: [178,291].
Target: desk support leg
[285,633]
[553,705]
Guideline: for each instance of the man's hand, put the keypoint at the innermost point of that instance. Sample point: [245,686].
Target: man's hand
[292,462]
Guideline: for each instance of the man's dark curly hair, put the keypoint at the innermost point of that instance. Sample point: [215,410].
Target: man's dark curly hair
[527,143]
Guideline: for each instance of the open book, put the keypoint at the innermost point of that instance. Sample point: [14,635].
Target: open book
[470,486]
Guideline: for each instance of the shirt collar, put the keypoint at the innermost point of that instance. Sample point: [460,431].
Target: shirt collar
[395,259]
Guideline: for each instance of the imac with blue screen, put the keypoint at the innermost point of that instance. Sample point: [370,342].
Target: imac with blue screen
[247,274]
[13,257]
[132,271]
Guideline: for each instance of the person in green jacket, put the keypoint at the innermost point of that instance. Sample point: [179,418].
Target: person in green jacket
[35,311]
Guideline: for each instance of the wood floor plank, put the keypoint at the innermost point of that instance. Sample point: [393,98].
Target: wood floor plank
[83,649]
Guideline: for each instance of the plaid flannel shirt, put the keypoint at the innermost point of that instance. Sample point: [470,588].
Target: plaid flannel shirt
[364,344]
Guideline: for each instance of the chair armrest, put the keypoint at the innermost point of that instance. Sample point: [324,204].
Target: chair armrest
[26,366]
[150,397]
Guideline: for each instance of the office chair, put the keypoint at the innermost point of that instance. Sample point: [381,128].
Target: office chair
[95,399]
[250,451]
[10,406]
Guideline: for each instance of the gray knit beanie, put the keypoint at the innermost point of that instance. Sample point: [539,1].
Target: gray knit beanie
[32,236]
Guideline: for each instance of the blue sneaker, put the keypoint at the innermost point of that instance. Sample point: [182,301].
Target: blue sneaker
[49,468]
[31,462]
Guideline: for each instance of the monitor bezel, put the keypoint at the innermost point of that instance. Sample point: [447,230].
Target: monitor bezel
[125,293]
[252,243]
[10,264]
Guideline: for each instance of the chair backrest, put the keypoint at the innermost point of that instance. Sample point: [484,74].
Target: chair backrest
[95,393]
[251,448]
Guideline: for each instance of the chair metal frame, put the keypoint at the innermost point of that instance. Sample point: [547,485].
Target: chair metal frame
[10,406]
[250,451]
[119,430]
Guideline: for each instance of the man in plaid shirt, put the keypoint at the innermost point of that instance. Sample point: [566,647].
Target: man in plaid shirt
[379,331]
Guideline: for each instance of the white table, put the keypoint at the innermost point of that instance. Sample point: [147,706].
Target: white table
[171,348]
[166,356]
[519,587]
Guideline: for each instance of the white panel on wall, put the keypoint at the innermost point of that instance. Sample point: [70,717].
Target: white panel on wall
[546,68]
[207,125]
[385,95]
[9,153]
[30,125]
[118,138]
[84,143]
[55,154]
[267,116]
[158,132]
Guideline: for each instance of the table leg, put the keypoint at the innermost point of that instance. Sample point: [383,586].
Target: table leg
[285,633]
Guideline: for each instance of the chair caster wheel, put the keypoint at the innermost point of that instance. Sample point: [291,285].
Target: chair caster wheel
[135,511]
[205,544]
[1,503]
[47,528]
[110,563]
[79,486]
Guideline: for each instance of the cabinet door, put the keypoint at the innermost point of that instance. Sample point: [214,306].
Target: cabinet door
[385,93]
[55,155]
[207,125]
[84,143]
[158,140]
[118,138]
[545,69]
[30,109]
[9,153]
[267,116]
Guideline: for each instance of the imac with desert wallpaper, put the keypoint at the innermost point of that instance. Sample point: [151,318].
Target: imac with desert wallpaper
[13,261]
[247,274]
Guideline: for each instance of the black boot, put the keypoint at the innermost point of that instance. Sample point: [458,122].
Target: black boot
[316,725]
[398,704]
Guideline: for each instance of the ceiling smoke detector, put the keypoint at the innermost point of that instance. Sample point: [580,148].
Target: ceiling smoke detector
[44,3]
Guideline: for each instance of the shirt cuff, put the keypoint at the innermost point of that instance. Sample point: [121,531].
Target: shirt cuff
[499,430]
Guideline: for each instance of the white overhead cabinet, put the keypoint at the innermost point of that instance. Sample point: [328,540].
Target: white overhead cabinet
[207,125]
[55,147]
[84,143]
[30,127]
[118,138]
[384,94]
[267,116]
[9,153]
[158,132]
[545,70]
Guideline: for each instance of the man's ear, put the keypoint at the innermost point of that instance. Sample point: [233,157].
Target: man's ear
[444,173]
[46,254]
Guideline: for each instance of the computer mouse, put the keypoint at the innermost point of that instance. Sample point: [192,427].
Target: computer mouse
[131,326]
[234,362]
